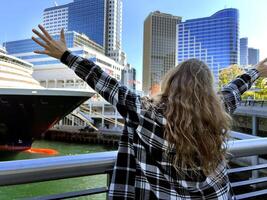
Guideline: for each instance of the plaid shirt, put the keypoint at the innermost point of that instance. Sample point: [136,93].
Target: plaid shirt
[142,170]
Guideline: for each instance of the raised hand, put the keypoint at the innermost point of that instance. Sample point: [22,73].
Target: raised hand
[262,67]
[51,47]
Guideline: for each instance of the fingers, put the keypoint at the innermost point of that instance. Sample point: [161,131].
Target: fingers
[62,36]
[39,42]
[41,36]
[45,32]
[264,61]
[42,52]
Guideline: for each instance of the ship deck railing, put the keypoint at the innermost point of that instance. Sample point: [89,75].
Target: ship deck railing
[62,167]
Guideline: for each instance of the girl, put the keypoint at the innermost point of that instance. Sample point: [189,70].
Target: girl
[172,145]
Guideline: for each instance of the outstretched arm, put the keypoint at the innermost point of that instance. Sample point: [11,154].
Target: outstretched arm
[232,92]
[127,103]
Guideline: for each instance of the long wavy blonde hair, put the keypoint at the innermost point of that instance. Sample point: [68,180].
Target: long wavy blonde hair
[197,123]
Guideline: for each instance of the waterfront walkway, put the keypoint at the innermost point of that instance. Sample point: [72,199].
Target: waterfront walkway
[258,111]
[257,108]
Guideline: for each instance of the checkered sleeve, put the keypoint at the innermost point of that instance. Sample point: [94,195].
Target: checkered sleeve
[127,102]
[232,92]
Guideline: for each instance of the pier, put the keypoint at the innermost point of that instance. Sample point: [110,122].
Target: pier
[79,135]
[251,117]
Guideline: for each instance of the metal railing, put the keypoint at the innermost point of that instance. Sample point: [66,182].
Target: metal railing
[53,168]
[252,102]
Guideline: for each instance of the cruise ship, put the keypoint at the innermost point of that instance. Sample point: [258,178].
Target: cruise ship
[27,110]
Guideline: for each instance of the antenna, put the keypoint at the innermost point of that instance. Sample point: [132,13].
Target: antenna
[55,3]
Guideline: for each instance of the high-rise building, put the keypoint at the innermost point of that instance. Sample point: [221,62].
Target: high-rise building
[159,48]
[244,51]
[128,77]
[89,17]
[253,56]
[56,18]
[114,31]
[214,40]
[100,20]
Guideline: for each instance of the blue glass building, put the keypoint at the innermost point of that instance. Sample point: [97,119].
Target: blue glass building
[244,51]
[23,49]
[28,45]
[83,16]
[88,17]
[214,39]
[100,20]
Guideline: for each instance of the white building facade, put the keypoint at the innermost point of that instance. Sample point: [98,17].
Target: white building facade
[56,19]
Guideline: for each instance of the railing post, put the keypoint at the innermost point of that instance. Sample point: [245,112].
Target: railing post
[254,125]
[254,159]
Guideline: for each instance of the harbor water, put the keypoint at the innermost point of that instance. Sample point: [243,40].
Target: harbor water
[57,186]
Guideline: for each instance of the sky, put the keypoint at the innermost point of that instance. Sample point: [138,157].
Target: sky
[18,17]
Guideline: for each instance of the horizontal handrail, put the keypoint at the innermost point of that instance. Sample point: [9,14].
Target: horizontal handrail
[249,182]
[253,195]
[246,169]
[242,136]
[43,169]
[247,147]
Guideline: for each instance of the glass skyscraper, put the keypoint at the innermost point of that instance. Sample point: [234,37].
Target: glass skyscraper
[244,51]
[83,16]
[214,39]
[88,17]
[100,20]
[253,56]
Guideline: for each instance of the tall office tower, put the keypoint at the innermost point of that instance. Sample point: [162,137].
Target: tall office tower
[253,56]
[244,51]
[100,20]
[128,77]
[89,17]
[56,18]
[214,40]
[114,31]
[159,48]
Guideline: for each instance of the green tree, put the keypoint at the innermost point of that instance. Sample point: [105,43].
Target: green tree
[228,74]
[261,83]
[258,91]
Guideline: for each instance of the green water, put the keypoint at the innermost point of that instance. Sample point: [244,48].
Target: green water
[58,186]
